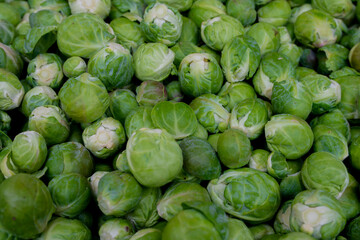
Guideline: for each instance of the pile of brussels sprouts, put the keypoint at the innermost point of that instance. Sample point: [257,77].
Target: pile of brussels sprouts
[179,119]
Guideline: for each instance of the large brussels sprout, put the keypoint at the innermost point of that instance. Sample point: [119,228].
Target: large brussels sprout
[289,135]
[98,7]
[122,102]
[70,193]
[11,92]
[118,193]
[234,93]
[189,32]
[38,96]
[69,157]
[318,214]
[160,167]
[10,59]
[138,118]
[200,158]
[257,202]
[112,65]
[127,32]
[149,93]
[350,95]
[73,39]
[276,12]
[161,23]
[26,206]
[147,234]
[153,61]
[240,58]
[200,73]
[243,10]
[266,36]
[84,98]
[258,160]
[203,10]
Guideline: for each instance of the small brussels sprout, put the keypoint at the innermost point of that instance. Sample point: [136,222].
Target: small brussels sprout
[234,93]
[116,228]
[189,32]
[258,202]
[350,88]
[354,150]
[274,67]
[26,204]
[147,234]
[38,96]
[338,9]
[282,220]
[249,116]
[104,137]
[277,165]
[10,59]
[199,73]
[210,112]
[162,23]
[75,40]
[276,12]
[181,6]
[349,201]
[200,159]
[51,123]
[317,213]
[203,10]
[5,122]
[122,102]
[262,230]
[84,98]
[266,36]
[291,185]
[69,157]
[149,93]
[11,92]
[153,61]
[128,33]
[94,181]
[258,160]
[98,7]
[332,58]
[160,167]
[315,29]
[353,229]
[289,135]
[28,151]
[74,66]
[240,58]
[173,90]
[292,51]
[138,118]
[243,10]
[238,230]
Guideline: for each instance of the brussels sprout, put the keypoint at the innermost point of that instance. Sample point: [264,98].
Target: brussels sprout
[276,12]
[240,58]
[160,167]
[149,93]
[285,37]
[353,229]
[7,32]
[11,92]
[69,157]
[147,234]
[345,71]
[210,112]
[182,49]
[354,150]
[349,201]
[296,236]
[200,159]
[277,165]
[5,121]
[116,228]
[302,72]
[173,90]
[318,214]
[138,118]
[297,11]
[332,58]
[282,220]
[98,7]
[261,230]
[26,206]
[61,6]
[75,40]
[243,10]
[338,9]
[354,57]
[289,135]
[203,10]
[28,151]
[315,29]
[84,98]
[200,132]
[153,61]
[45,18]
[131,9]
[74,66]
[350,94]
[291,185]
[351,38]
[213,140]
[234,93]
[181,6]
[292,51]
[238,230]
[38,96]
[258,160]
[94,181]
[258,202]
[274,67]
[9,14]
[266,36]
[10,59]
[189,32]
[63,228]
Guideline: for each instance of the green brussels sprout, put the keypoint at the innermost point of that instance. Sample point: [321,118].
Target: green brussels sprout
[240,58]
[274,67]
[28,151]
[98,7]
[7,32]
[147,234]
[38,96]
[213,140]
[277,166]
[122,102]
[350,94]
[149,93]
[200,132]
[258,202]
[131,9]
[249,116]
[276,12]
[242,10]
[145,214]
[285,36]
[199,73]
[211,223]
[291,185]
[104,137]
[5,121]
[182,49]
[74,67]
[75,40]
[353,229]
[297,11]
[350,38]
[315,29]
[338,9]
[153,62]
[162,23]
[238,230]
[349,201]
[302,72]
[69,157]
[173,90]
[323,171]
[181,6]
[118,193]
[200,158]
[70,193]
[318,214]
[354,57]
[84,98]
[160,167]
[45,17]
[282,220]
[138,118]
[289,135]
[332,58]
[261,230]
[203,10]
[51,123]
[345,71]
[9,13]
[26,206]
[94,181]
[292,97]
[234,93]
[120,162]
[11,92]
[328,139]
[266,36]
[296,236]
[292,51]
[63,228]
[189,32]
[354,150]
[116,228]
[210,112]
[217,31]
[10,59]
[258,160]
[61,6]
